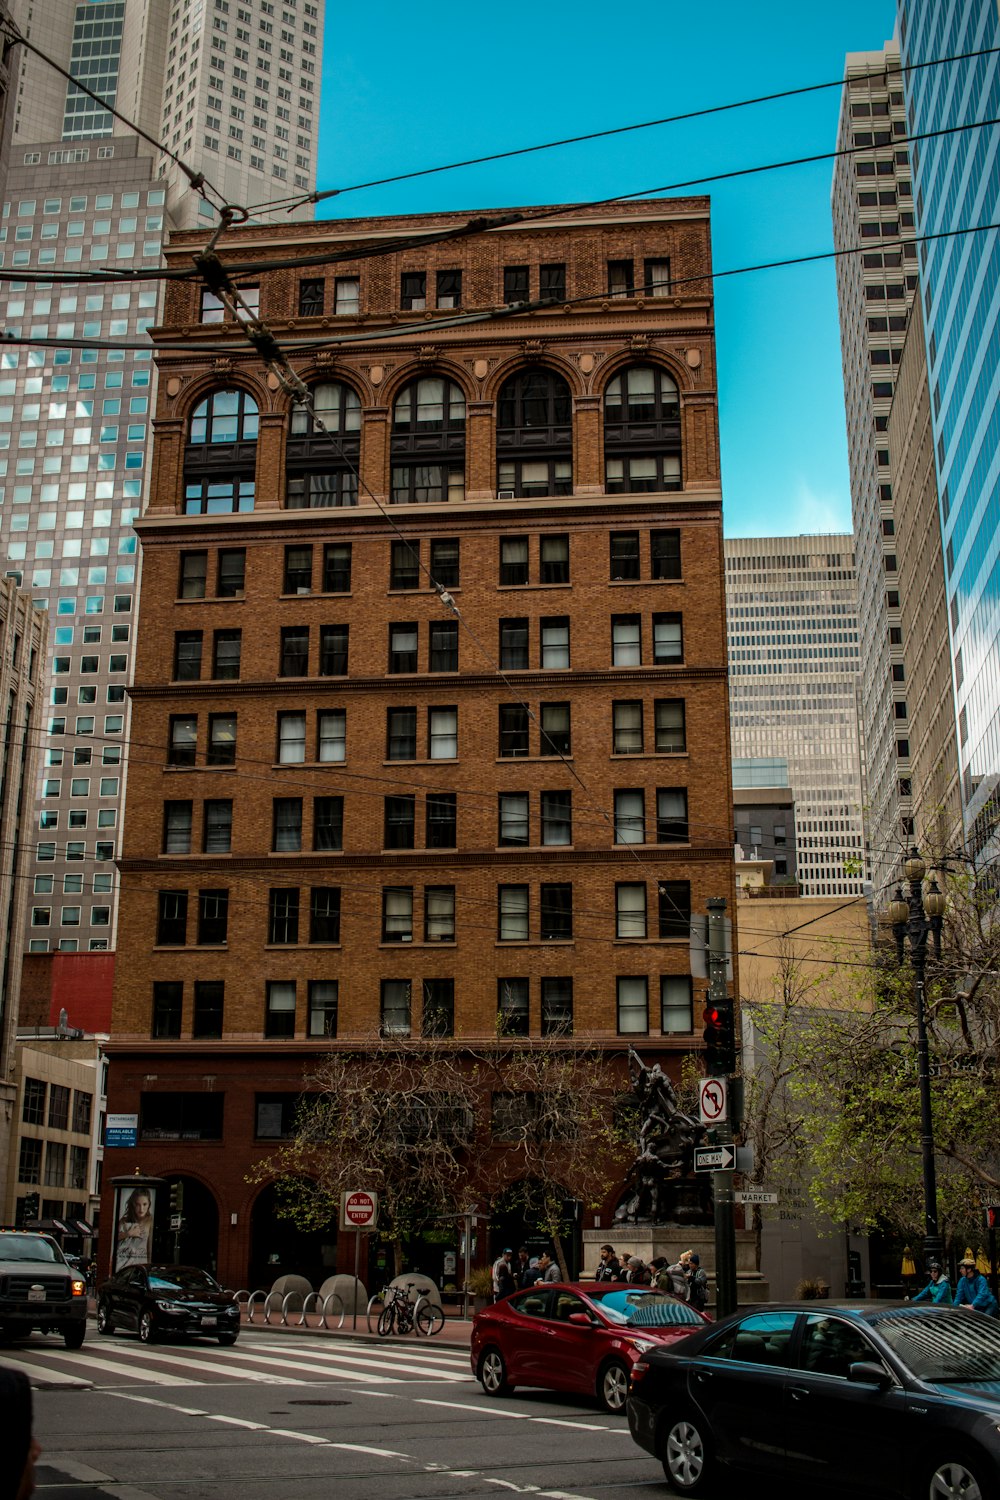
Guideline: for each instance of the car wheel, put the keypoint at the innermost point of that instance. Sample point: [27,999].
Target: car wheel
[147,1328]
[74,1335]
[105,1323]
[493,1373]
[686,1456]
[966,1475]
[228,1338]
[612,1385]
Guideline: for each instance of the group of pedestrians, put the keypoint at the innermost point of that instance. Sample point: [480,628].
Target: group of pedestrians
[528,1270]
[973,1290]
[685,1278]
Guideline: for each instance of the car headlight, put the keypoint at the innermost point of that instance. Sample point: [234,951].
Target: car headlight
[170,1307]
[79,1288]
[643,1346]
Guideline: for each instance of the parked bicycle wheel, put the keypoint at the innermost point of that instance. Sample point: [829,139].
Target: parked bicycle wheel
[429,1319]
[387,1320]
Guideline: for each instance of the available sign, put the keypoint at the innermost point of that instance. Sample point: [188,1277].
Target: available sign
[714,1158]
[755,1195]
[121,1130]
[358,1210]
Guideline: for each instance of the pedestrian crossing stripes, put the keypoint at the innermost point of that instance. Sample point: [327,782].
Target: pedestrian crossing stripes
[289,1361]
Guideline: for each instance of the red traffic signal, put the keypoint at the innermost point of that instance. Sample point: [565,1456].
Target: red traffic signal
[719,1017]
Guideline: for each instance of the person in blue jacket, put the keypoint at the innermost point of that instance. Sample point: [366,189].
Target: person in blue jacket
[973,1289]
[938,1289]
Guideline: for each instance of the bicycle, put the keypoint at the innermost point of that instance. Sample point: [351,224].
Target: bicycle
[402,1315]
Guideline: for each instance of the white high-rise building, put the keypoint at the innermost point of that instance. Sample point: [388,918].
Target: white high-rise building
[233,89]
[792,623]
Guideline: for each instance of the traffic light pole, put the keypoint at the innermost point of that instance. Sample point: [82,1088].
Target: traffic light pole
[722,1182]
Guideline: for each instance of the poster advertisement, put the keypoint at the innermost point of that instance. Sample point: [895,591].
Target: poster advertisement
[134,1211]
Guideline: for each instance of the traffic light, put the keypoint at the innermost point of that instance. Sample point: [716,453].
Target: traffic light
[177,1197]
[30,1207]
[720,1036]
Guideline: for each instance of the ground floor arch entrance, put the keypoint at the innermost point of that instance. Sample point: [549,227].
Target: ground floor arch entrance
[196,1243]
[516,1219]
[278,1247]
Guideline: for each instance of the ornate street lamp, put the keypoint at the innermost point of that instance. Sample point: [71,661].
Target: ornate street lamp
[916,917]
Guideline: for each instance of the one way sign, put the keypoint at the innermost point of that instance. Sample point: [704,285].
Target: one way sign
[714,1158]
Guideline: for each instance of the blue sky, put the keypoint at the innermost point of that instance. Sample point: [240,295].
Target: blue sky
[405,89]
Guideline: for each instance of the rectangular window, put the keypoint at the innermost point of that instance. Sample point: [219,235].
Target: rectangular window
[626,721]
[323,996]
[291,738]
[183,740]
[279,1018]
[668,639]
[555,729]
[657,278]
[209,1000]
[167,1000]
[665,553]
[221,740]
[29,1167]
[676,1005]
[232,573]
[442,820]
[333,644]
[557,1007]
[626,641]
[449,289]
[83,1109]
[413,291]
[556,911]
[671,815]
[630,910]
[557,817]
[513,730]
[395,1007]
[675,909]
[401,734]
[33,1107]
[443,636]
[311,291]
[403,647]
[298,570]
[513,819]
[633,1005]
[227,646]
[287,825]
[187,655]
[513,1016]
[621,278]
[213,917]
[400,813]
[552,282]
[328,822]
[346,296]
[439,914]
[515,284]
[283,915]
[331,735]
[324,914]
[630,816]
[624,555]
[218,826]
[397,914]
[442,733]
[554,559]
[513,913]
[294,651]
[445,562]
[337,568]
[513,561]
[171,925]
[194,567]
[555,641]
[177,827]
[404,565]
[671,734]
[513,644]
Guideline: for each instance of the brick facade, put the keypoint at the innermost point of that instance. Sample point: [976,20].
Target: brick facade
[680,619]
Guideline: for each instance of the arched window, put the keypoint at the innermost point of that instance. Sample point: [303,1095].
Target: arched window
[642,432]
[221,454]
[322,461]
[534,435]
[428,442]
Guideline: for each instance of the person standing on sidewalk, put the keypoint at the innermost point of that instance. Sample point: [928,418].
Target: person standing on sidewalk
[503,1277]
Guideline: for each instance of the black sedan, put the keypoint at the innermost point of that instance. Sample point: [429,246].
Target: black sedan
[884,1399]
[154,1300]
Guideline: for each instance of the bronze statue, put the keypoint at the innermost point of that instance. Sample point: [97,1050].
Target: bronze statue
[662,1187]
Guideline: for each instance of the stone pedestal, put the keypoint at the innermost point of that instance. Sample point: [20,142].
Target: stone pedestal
[651,1240]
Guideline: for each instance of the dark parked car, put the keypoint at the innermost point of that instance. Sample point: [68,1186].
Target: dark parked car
[40,1289]
[583,1337]
[885,1399]
[154,1300]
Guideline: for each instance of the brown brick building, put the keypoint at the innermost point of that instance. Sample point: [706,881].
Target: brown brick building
[442,740]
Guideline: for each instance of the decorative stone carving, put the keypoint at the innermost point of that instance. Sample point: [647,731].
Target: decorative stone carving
[532,348]
[639,343]
[693,357]
[223,365]
[428,354]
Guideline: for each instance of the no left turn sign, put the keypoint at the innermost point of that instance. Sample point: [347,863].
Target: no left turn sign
[713,1101]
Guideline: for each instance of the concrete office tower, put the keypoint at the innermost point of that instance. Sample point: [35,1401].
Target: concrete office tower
[22,657]
[792,621]
[232,88]
[957,177]
[872,206]
[85,193]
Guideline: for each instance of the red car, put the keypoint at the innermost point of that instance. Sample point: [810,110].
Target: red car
[582,1337]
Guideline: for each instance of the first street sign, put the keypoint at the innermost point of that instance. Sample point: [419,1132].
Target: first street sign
[714,1158]
[359,1210]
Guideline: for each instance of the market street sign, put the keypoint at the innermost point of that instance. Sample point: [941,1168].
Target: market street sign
[755,1195]
[714,1158]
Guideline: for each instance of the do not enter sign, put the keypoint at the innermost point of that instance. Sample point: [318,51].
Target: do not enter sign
[358,1210]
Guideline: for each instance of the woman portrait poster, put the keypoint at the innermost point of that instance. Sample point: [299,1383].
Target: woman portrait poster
[134,1244]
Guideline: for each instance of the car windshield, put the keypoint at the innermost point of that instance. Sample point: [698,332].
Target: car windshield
[29,1247]
[648,1309]
[943,1347]
[181,1279]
